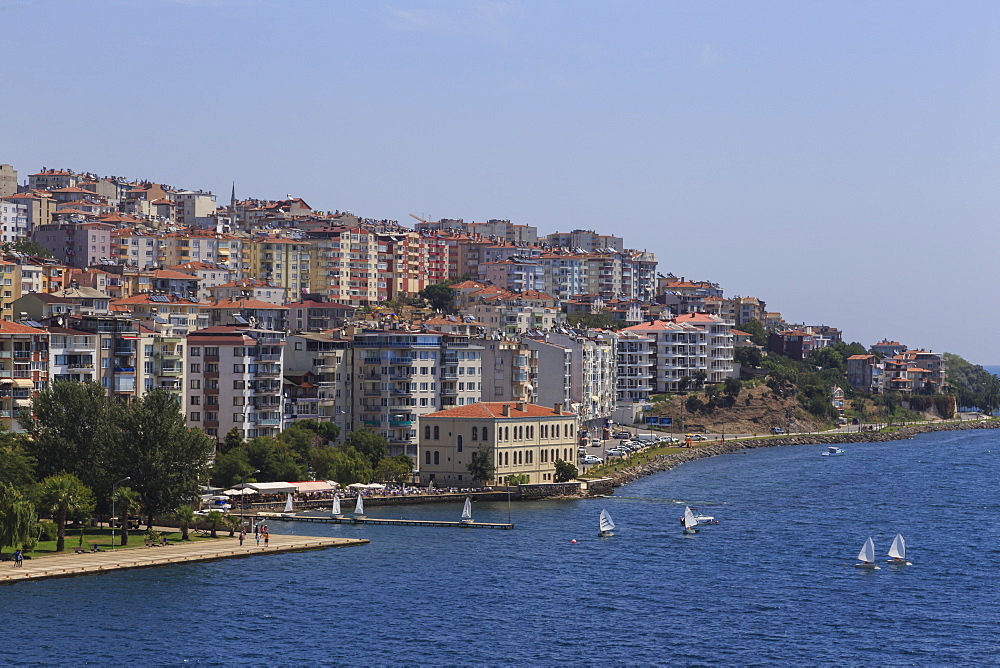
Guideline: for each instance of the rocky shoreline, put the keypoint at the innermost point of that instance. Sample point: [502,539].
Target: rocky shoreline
[669,462]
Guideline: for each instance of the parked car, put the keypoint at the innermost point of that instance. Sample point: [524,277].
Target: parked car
[667,439]
[698,437]
[615,452]
[777,430]
[622,435]
[591,459]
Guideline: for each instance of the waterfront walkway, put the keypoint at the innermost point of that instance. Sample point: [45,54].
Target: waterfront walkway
[88,563]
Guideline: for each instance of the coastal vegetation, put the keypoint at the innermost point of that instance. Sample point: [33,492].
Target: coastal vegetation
[972,384]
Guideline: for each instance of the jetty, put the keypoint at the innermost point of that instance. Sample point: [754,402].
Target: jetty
[348,519]
[126,558]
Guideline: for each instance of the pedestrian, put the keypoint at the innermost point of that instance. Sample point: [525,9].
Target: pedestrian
[266,536]
[19,559]
[256,534]
[243,535]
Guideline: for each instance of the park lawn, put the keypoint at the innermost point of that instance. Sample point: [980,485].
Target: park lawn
[102,536]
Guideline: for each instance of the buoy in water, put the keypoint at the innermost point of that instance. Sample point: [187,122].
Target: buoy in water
[573,541]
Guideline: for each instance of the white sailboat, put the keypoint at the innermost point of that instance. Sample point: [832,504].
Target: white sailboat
[867,556]
[607,526]
[689,521]
[335,510]
[897,552]
[288,503]
[467,511]
[359,507]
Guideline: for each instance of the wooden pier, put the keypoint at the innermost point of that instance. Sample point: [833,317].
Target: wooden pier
[351,519]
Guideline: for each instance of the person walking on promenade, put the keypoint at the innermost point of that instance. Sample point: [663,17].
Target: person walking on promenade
[243,535]
[266,537]
[19,559]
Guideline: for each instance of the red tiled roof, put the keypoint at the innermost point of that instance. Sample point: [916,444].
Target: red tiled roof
[494,409]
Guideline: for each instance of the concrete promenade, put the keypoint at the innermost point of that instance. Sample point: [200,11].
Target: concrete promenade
[88,563]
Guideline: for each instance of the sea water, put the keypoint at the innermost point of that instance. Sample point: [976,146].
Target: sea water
[773,583]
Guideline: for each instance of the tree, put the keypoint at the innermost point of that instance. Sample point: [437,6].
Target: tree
[27,247]
[306,435]
[127,504]
[214,518]
[756,331]
[17,467]
[185,517]
[439,296]
[232,522]
[65,496]
[564,471]
[231,467]
[74,428]
[17,517]
[348,466]
[732,387]
[368,442]
[749,356]
[233,439]
[394,469]
[166,460]
[518,479]
[481,465]
[602,320]
[274,459]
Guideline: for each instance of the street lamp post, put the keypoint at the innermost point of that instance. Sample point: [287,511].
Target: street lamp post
[113,487]
[243,494]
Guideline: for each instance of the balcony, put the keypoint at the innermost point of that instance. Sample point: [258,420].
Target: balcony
[400,423]
[170,370]
[373,360]
[401,361]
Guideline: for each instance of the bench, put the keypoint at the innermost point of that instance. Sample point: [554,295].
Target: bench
[80,550]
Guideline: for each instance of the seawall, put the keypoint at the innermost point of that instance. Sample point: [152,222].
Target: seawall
[668,462]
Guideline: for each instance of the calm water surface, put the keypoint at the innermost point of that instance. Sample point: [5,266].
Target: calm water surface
[772,584]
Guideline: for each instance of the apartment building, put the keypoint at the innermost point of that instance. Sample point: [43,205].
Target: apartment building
[13,220]
[39,209]
[555,372]
[516,274]
[24,368]
[350,265]
[681,351]
[248,288]
[317,314]
[234,381]
[319,373]
[593,374]
[509,319]
[50,179]
[209,276]
[402,374]
[8,180]
[793,343]
[76,244]
[523,439]
[118,354]
[510,370]
[282,262]
[170,313]
[720,344]
[203,246]
[636,372]
[194,207]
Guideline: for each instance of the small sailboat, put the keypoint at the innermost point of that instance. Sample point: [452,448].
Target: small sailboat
[607,526]
[359,507]
[897,552]
[288,503]
[689,521]
[867,556]
[467,511]
[335,510]
[704,519]
[833,451]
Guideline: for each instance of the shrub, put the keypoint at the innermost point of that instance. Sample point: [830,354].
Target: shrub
[47,531]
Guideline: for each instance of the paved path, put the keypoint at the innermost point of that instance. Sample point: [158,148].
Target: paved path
[67,565]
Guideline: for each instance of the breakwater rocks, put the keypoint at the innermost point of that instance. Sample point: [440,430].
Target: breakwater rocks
[668,462]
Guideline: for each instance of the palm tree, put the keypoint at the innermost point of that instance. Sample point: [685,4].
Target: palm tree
[214,518]
[234,522]
[64,496]
[128,500]
[185,517]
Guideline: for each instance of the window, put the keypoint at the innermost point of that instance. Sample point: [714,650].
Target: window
[437,457]
[427,433]
[195,384]
[239,352]
[211,351]
[239,384]
[239,368]
[475,433]
[437,433]
[237,417]
[427,457]
[195,400]
[238,401]
[194,351]
[459,443]
[195,368]
[195,416]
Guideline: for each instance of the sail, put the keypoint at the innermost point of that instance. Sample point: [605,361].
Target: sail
[467,510]
[288,503]
[359,507]
[689,519]
[898,548]
[867,552]
[606,523]
[336,505]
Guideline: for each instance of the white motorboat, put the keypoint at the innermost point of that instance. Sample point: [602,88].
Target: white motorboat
[867,556]
[607,526]
[467,511]
[897,552]
[704,519]
[689,521]
[335,510]
[833,451]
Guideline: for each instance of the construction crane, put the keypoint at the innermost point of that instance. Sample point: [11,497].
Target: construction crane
[426,222]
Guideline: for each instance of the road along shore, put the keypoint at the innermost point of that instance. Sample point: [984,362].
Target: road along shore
[668,462]
[106,561]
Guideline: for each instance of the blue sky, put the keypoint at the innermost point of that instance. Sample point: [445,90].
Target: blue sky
[839,160]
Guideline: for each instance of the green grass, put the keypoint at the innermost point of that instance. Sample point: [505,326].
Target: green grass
[102,536]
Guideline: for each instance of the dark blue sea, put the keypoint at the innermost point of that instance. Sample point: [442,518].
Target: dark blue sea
[773,583]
